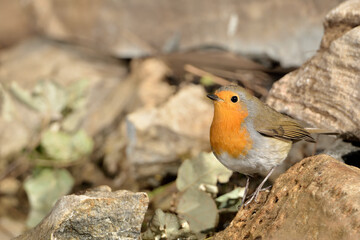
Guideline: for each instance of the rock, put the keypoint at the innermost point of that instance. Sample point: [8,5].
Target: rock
[161,135]
[152,89]
[10,228]
[330,145]
[96,214]
[283,30]
[105,92]
[316,198]
[325,91]
[340,20]
[9,186]
[16,22]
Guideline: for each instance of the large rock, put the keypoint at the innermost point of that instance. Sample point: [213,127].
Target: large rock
[284,30]
[100,214]
[318,198]
[16,21]
[325,91]
[161,135]
[340,20]
[105,92]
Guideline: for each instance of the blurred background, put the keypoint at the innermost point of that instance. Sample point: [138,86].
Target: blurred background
[113,92]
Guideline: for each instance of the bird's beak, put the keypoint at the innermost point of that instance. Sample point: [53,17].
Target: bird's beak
[214,97]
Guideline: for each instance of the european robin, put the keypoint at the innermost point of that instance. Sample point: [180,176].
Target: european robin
[248,136]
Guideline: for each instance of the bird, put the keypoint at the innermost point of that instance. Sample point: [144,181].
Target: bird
[250,137]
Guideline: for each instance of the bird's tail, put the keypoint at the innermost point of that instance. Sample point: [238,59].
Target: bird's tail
[321,131]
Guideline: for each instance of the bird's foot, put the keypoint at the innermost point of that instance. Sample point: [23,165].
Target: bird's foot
[245,192]
[259,188]
[254,195]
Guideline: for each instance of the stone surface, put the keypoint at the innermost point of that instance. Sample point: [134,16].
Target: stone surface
[96,214]
[340,20]
[16,21]
[9,186]
[161,135]
[152,89]
[325,91]
[10,228]
[318,198]
[106,95]
[330,145]
[287,31]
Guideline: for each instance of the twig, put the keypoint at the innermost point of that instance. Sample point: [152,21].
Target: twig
[201,73]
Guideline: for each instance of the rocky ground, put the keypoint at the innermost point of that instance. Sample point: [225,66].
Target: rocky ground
[104,119]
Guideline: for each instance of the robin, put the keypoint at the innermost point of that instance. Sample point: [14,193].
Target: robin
[249,137]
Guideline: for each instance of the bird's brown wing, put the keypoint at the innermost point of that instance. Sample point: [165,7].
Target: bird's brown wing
[286,130]
[277,125]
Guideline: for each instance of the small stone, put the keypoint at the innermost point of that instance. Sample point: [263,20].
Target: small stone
[97,214]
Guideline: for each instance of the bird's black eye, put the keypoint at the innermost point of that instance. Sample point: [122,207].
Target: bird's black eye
[234,99]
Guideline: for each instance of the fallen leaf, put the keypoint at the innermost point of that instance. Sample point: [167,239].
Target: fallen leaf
[231,199]
[44,188]
[47,97]
[168,226]
[205,169]
[199,209]
[66,147]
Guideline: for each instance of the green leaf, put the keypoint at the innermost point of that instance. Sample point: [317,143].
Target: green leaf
[62,146]
[168,226]
[205,169]
[206,81]
[232,198]
[194,175]
[199,209]
[44,189]
[57,145]
[75,105]
[47,97]
[76,94]
[81,144]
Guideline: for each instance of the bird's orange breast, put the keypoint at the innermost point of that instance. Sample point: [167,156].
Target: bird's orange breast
[228,132]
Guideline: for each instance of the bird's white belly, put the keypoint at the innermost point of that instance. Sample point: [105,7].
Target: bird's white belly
[260,159]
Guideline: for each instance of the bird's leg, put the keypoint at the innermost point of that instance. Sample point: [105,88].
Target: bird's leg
[245,191]
[259,188]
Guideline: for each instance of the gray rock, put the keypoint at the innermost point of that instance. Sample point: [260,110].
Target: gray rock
[16,22]
[100,214]
[340,20]
[159,136]
[325,91]
[287,31]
